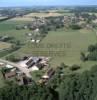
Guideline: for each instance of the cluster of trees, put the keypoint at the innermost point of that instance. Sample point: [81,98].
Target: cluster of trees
[79,87]
[56,21]
[85,9]
[50,23]
[10,39]
[92,49]
[60,87]
[76,86]
[87,17]
[91,55]
[32,92]
[5,38]
[75,26]
[10,13]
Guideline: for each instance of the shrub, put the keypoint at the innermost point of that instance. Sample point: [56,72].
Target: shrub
[74,67]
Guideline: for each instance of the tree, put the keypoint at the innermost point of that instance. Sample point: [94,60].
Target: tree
[31,92]
[74,67]
[92,56]
[91,48]
[75,26]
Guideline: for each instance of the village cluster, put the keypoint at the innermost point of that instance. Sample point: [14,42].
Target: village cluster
[21,70]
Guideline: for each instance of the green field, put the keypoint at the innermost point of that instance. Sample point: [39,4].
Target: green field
[9,28]
[75,42]
[78,41]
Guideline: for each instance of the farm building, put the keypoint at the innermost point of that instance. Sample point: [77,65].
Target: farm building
[21,79]
[9,73]
[49,74]
[34,63]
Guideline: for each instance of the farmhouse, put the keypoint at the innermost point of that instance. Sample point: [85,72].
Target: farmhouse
[9,73]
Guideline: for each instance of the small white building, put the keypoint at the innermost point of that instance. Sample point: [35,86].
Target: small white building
[9,66]
[29,34]
[1,64]
[32,40]
[36,30]
[34,68]
[37,41]
[45,77]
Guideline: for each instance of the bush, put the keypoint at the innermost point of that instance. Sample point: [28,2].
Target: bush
[92,56]
[74,67]
[63,65]
[75,27]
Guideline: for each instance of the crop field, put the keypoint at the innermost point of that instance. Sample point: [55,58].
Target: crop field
[74,43]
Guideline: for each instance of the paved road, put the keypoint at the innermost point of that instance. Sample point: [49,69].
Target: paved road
[22,69]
